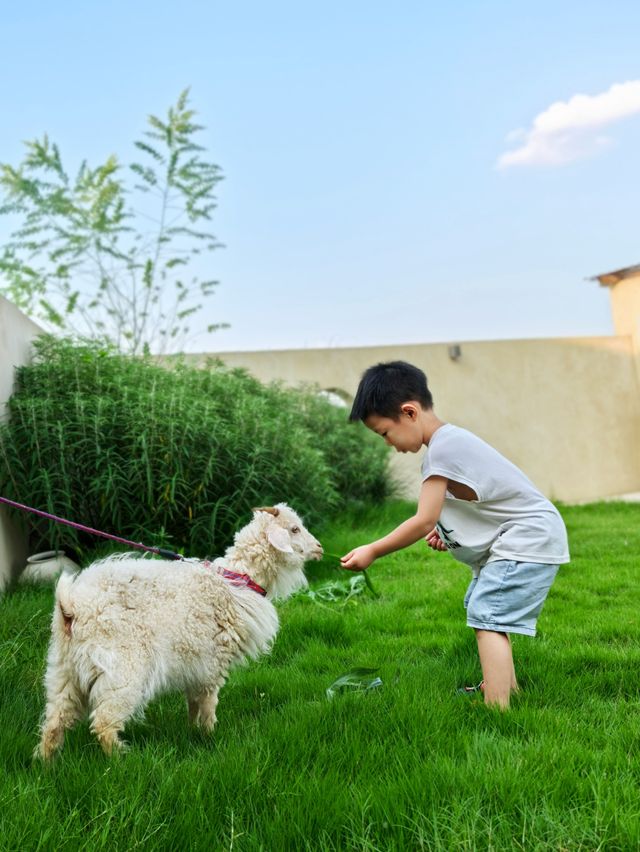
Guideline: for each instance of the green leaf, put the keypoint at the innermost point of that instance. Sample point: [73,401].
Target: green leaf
[356,680]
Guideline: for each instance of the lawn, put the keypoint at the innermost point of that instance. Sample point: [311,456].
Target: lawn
[408,765]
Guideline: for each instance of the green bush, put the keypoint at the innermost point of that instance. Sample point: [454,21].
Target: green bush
[174,456]
[356,458]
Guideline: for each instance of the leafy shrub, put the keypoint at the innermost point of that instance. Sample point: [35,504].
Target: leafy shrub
[354,455]
[172,455]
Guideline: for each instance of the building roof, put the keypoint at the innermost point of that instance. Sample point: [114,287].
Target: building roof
[608,279]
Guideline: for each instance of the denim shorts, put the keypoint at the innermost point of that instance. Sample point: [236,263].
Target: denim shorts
[507,597]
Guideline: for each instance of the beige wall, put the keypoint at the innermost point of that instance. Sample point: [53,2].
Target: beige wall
[625,309]
[567,411]
[16,334]
[625,305]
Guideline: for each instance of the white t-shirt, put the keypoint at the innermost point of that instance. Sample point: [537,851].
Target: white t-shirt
[511,519]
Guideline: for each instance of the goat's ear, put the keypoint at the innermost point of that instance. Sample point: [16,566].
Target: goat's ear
[272,510]
[279,538]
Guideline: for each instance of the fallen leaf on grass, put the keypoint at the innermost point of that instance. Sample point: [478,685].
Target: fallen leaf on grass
[355,680]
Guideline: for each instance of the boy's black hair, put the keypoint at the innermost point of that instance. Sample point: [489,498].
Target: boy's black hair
[384,388]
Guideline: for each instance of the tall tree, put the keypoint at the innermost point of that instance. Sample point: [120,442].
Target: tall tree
[110,253]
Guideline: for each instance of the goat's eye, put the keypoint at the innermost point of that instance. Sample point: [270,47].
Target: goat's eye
[295,529]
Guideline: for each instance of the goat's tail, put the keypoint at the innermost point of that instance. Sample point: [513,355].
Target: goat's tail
[64,610]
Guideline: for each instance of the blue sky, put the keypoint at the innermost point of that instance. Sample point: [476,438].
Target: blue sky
[369,193]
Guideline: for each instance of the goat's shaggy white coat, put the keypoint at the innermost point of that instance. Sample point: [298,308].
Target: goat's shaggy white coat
[126,628]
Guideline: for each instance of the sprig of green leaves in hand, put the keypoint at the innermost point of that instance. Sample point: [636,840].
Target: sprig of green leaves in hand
[365,574]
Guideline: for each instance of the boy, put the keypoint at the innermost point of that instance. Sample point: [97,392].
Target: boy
[473,503]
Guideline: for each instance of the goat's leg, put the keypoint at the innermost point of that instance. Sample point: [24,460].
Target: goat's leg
[202,707]
[65,706]
[194,709]
[114,701]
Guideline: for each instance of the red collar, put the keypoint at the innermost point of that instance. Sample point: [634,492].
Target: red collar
[241,580]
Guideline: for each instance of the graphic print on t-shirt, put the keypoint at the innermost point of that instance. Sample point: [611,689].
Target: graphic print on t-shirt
[446,537]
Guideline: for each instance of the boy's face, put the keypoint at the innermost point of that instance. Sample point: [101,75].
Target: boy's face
[404,433]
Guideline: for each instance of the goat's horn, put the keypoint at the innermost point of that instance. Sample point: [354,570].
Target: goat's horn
[272,510]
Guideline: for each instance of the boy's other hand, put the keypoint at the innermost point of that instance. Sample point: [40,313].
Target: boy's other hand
[434,541]
[358,559]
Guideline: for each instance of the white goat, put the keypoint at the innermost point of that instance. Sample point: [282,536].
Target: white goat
[126,629]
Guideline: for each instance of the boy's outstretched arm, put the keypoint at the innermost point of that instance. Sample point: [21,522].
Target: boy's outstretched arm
[412,530]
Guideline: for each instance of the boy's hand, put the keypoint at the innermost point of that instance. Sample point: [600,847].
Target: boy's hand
[358,559]
[434,541]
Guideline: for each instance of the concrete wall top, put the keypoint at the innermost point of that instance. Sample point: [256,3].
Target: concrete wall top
[321,366]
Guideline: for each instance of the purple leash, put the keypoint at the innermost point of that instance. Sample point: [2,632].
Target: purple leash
[160,551]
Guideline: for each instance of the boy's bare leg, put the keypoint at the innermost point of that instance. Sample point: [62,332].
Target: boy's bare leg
[498,672]
[514,680]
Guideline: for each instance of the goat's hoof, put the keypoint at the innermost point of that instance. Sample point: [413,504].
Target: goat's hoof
[50,743]
[40,754]
[119,748]
[113,746]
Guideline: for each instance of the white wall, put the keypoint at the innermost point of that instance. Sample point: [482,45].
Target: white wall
[16,333]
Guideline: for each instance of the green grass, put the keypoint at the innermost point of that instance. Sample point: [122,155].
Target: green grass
[405,766]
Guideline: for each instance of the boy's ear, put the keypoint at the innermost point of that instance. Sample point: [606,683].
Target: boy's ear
[410,409]
[279,538]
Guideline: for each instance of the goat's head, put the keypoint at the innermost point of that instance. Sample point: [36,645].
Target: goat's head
[275,545]
[286,533]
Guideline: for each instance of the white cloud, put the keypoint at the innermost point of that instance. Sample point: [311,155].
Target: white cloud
[569,130]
